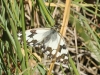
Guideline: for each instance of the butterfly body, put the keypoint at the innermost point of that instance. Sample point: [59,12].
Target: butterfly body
[48,40]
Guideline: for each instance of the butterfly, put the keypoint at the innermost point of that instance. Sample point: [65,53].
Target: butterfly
[48,40]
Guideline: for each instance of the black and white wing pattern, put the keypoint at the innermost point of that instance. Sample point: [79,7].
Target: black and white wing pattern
[49,40]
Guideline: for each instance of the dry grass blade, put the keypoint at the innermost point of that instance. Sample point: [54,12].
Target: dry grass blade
[63,30]
[65,18]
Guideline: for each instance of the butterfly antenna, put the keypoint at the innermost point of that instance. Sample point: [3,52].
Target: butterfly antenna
[62,32]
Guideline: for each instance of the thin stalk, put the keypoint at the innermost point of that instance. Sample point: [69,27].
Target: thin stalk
[73,66]
[46,12]
[18,48]
[23,32]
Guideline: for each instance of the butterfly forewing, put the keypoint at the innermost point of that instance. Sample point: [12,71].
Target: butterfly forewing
[49,40]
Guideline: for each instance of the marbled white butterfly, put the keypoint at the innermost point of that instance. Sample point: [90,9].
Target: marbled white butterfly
[49,40]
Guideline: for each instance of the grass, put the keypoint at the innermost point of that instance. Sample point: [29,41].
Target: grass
[12,19]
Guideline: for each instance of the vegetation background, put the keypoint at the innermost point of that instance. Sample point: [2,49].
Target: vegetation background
[78,22]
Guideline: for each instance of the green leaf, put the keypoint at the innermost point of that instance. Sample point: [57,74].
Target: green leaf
[41,69]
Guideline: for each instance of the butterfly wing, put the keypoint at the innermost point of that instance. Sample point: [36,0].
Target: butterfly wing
[39,35]
[53,42]
[50,39]
[35,34]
